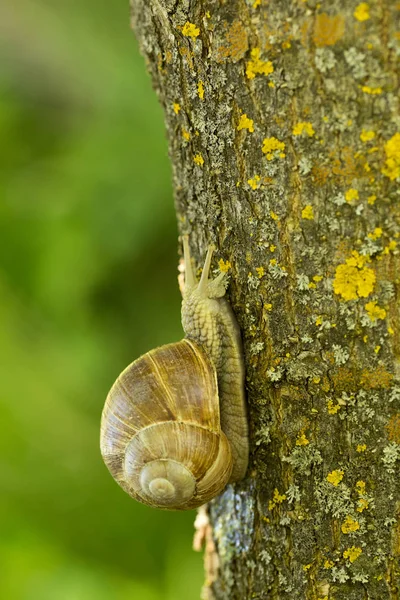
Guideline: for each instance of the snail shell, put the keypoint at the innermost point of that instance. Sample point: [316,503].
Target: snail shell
[161,437]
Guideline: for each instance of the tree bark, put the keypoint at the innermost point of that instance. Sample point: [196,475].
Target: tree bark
[283,122]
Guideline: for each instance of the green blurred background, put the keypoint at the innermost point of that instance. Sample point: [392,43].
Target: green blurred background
[87,283]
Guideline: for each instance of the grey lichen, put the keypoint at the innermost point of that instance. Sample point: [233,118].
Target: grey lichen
[391,454]
[341,354]
[336,500]
[304,458]
[324,59]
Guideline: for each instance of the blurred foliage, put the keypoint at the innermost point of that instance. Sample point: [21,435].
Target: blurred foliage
[87,284]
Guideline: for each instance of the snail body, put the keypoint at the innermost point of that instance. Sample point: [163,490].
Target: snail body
[174,426]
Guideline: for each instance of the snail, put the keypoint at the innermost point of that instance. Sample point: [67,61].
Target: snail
[174,428]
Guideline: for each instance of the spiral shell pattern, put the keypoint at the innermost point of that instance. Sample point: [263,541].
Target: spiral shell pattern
[160,434]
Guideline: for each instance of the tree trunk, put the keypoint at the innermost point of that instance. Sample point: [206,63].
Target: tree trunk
[283,123]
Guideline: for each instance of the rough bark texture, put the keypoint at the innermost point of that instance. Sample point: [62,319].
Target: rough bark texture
[283,123]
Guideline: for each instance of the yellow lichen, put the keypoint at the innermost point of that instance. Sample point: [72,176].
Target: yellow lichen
[190,30]
[351,195]
[332,408]
[260,272]
[374,311]
[361,447]
[377,233]
[268,307]
[358,260]
[307,212]
[302,440]
[360,487]
[349,525]
[352,553]
[245,123]
[371,199]
[303,126]
[373,91]
[272,147]
[392,245]
[277,499]
[200,90]
[335,477]
[185,134]
[353,280]
[256,66]
[272,248]
[199,160]
[224,265]
[367,135]
[328,30]
[176,107]
[392,163]
[361,12]
[363,504]
[273,215]
[253,183]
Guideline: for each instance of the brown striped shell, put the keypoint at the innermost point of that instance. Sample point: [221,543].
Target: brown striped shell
[161,437]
